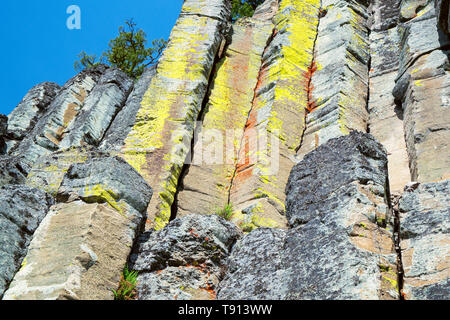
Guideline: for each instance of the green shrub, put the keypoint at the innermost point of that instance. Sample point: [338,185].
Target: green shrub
[226,212]
[127,285]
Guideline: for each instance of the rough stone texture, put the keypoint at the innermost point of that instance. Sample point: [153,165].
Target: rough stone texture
[51,128]
[422,87]
[82,245]
[159,142]
[340,246]
[255,269]
[385,14]
[206,187]
[48,171]
[3,130]
[12,170]
[21,211]
[339,87]
[425,240]
[276,119]
[386,116]
[33,106]
[125,119]
[443,14]
[101,106]
[185,259]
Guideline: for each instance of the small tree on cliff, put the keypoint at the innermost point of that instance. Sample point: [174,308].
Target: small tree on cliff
[244,8]
[126,52]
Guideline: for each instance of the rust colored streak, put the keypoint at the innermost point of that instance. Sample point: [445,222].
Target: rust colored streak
[309,87]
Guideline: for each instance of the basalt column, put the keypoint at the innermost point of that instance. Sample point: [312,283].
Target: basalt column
[205,188]
[159,142]
[386,116]
[278,111]
[339,83]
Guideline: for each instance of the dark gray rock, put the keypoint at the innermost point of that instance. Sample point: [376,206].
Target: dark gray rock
[3,130]
[125,119]
[425,240]
[12,170]
[185,259]
[256,267]
[106,179]
[385,14]
[443,14]
[324,178]
[33,106]
[21,211]
[341,243]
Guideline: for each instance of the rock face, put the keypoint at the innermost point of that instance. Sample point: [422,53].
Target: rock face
[80,248]
[340,245]
[33,106]
[22,209]
[159,142]
[425,240]
[185,259]
[301,153]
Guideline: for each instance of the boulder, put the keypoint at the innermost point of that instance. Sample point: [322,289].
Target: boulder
[184,260]
[425,240]
[21,211]
[81,247]
[341,243]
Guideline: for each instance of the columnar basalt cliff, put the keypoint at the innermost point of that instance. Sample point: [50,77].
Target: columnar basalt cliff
[319,129]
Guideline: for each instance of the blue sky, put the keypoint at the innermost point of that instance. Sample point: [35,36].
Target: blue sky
[37,45]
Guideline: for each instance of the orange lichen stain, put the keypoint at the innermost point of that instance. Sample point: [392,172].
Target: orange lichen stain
[309,87]
[193,233]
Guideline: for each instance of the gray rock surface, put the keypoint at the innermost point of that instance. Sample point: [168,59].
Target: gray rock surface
[33,106]
[3,130]
[21,211]
[65,107]
[425,241]
[12,170]
[80,248]
[101,106]
[125,119]
[185,259]
[340,246]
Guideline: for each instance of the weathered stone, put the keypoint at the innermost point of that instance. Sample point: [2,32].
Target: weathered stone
[340,246]
[339,75]
[52,127]
[12,170]
[82,245]
[185,259]
[422,87]
[160,140]
[48,171]
[255,268]
[276,120]
[443,14]
[425,241]
[33,106]
[21,211]
[124,121]
[385,14]
[3,130]
[206,186]
[100,108]
[385,115]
